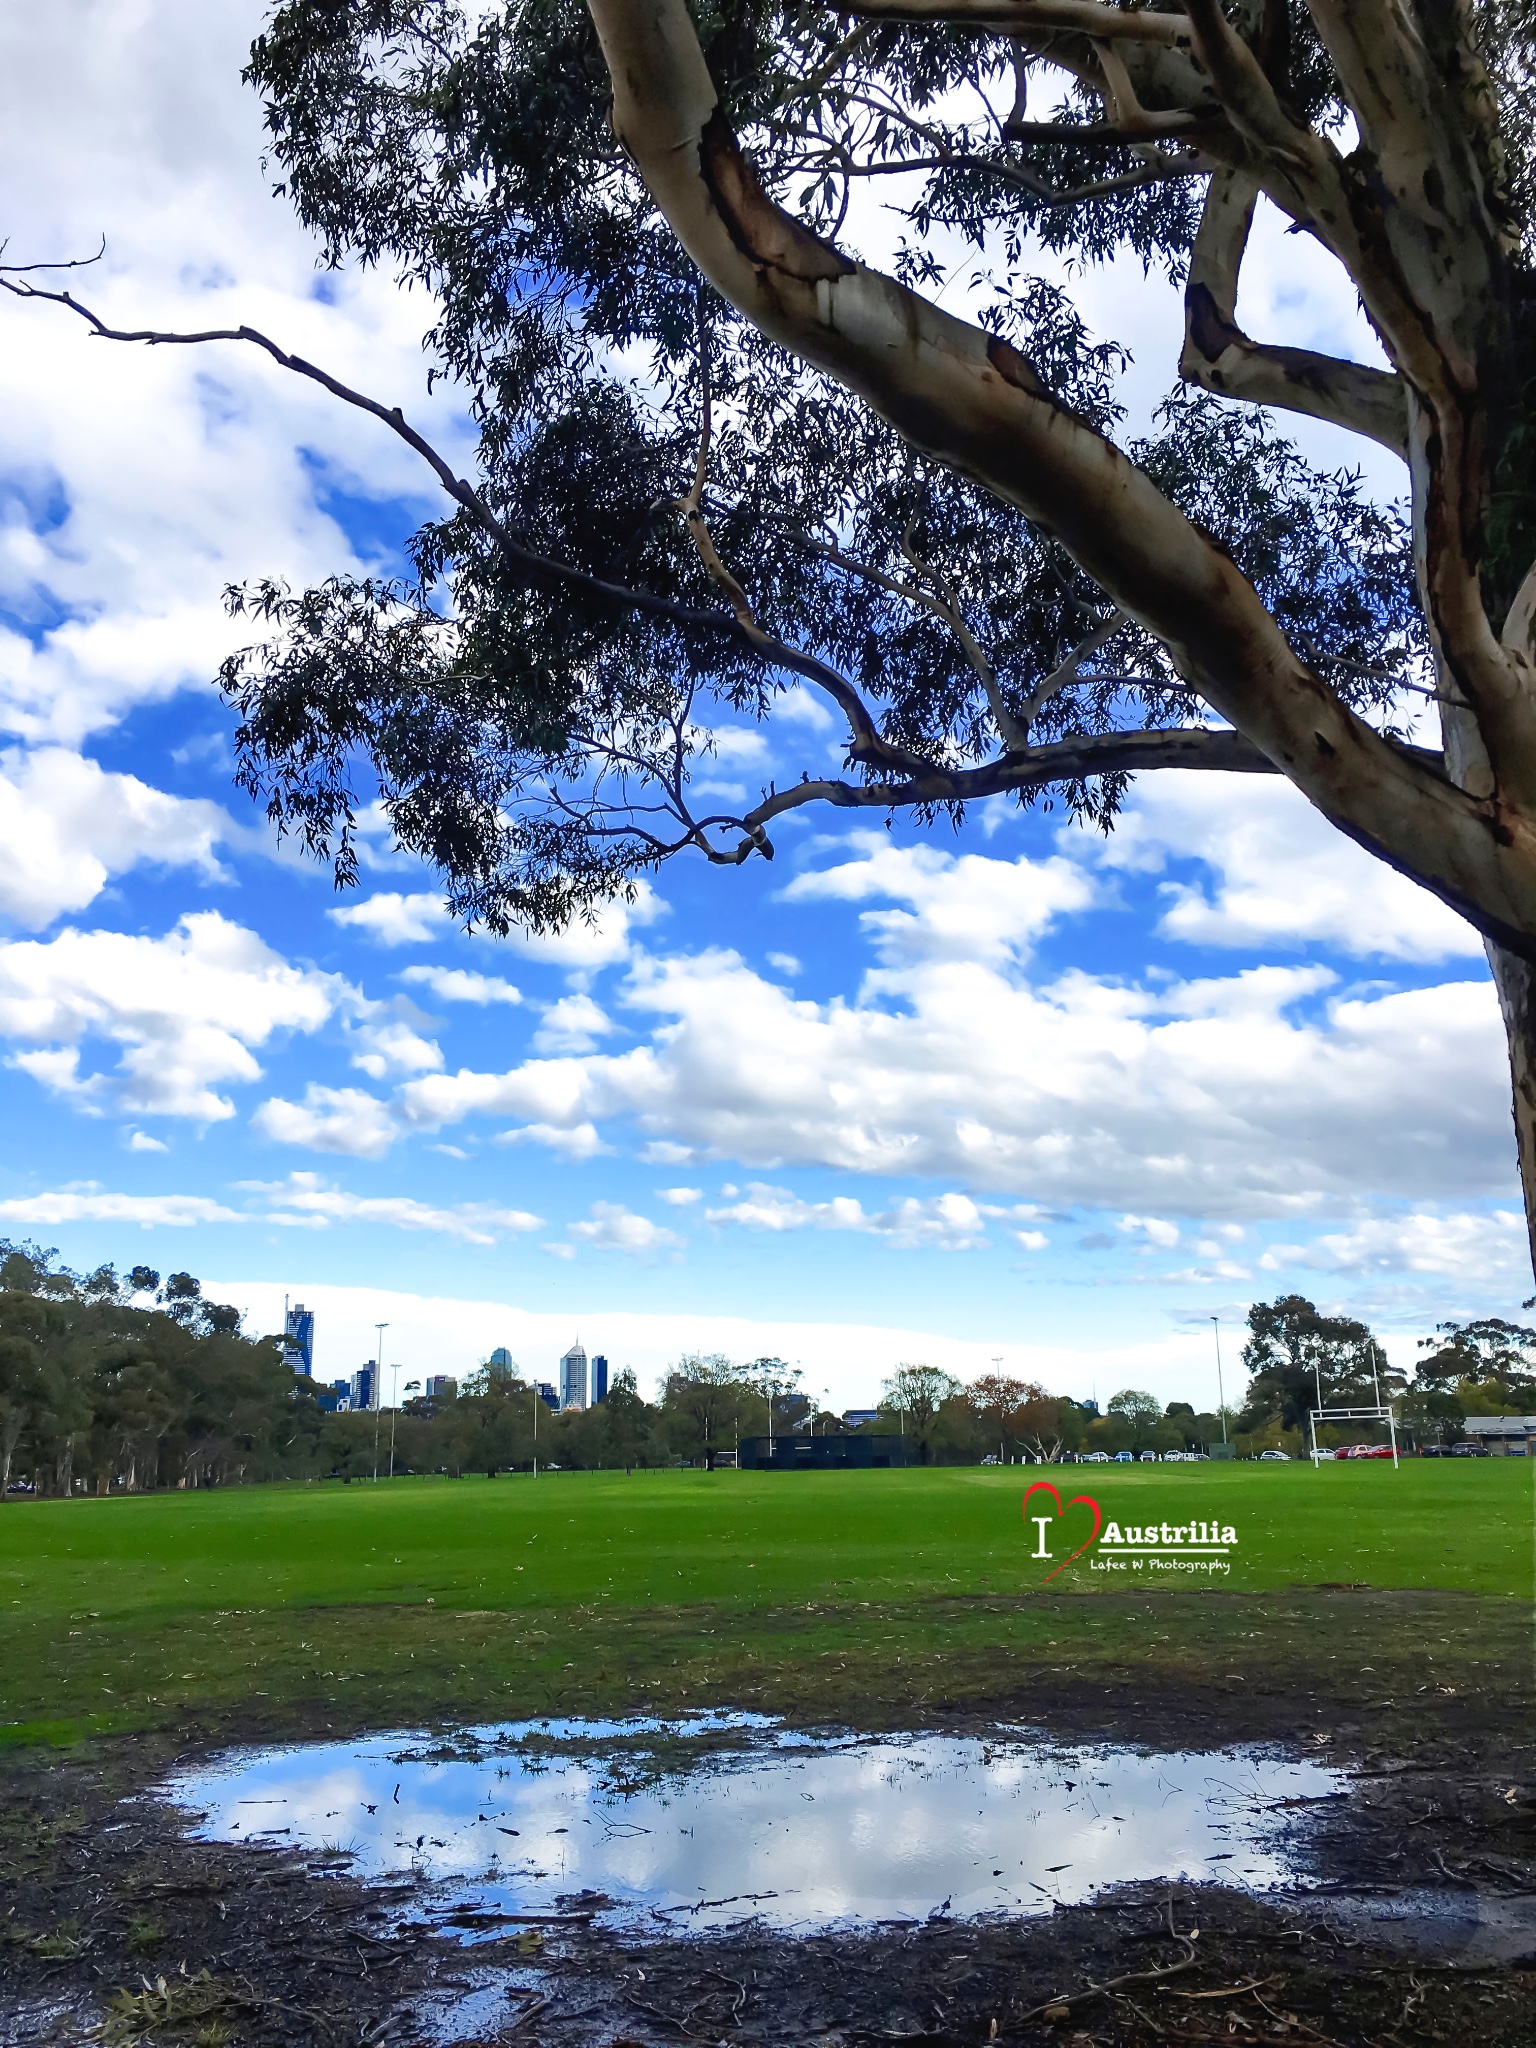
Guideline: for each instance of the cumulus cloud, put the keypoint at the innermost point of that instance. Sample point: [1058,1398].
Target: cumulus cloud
[1261,1093]
[1483,1248]
[391,918]
[460,985]
[185,1009]
[143,480]
[679,1198]
[614,1228]
[1278,874]
[391,1045]
[950,1222]
[572,1141]
[304,1198]
[67,827]
[348,1120]
[574,1024]
[963,907]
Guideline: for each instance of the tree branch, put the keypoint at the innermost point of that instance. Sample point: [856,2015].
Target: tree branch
[973,402]
[1105,24]
[1218,355]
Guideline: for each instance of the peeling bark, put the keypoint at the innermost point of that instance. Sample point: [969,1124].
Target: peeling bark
[1515,980]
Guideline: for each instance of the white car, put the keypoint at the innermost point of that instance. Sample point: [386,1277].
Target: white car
[1274,1457]
[1096,1458]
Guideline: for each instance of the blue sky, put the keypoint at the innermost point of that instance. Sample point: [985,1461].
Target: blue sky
[1019,1093]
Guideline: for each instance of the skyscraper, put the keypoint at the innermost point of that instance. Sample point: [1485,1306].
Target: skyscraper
[365,1387]
[299,1338]
[502,1356]
[573,1378]
[442,1386]
[599,1379]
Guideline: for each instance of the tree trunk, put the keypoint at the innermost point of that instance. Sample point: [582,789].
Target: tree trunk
[1515,980]
[66,1467]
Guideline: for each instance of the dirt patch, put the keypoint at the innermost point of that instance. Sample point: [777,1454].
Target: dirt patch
[113,1919]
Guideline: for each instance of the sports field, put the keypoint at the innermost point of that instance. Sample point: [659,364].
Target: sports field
[811,1592]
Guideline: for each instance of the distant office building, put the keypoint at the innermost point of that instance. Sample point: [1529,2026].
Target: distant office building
[573,1378]
[860,1418]
[327,1400]
[442,1386]
[299,1338]
[502,1356]
[548,1396]
[364,1389]
[599,1379]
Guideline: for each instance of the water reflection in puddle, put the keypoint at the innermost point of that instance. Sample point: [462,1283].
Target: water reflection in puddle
[793,1828]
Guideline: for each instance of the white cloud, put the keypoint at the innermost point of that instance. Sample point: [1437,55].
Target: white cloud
[1485,1249]
[679,1198]
[146,479]
[950,1222]
[1155,1229]
[572,1141]
[92,1205]
[391,1046]
[1281,875]
[1246,1095]
[615,1228]
[186,1010]
[306,1199]
[963,907]
[393,919]
[589,943]
[141,1141]
[67,827]
[348,1120]
[460,985]
[786,963]
[574,1024]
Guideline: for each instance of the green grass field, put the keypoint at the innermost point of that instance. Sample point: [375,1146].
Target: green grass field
[809,1592]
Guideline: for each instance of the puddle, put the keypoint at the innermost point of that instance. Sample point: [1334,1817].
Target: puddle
[704,1822]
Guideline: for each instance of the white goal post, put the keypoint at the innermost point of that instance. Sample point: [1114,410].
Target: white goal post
[1382,1413]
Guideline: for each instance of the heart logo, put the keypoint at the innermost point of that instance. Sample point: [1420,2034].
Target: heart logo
[1078,1500]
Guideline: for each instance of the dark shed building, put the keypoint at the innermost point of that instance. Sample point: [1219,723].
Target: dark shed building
[819,1453]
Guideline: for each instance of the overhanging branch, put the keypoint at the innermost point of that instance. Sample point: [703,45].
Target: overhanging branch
[1218,355]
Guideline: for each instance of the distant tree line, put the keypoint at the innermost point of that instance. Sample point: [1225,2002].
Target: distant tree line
[130,1383]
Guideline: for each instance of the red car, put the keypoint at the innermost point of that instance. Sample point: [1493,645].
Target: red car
[1365,1451]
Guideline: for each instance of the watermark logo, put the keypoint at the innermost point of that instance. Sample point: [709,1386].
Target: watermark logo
[1042,1523]
[1151,1547]
[1189,1547]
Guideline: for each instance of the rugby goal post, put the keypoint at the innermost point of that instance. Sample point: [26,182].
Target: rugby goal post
[1382,1413]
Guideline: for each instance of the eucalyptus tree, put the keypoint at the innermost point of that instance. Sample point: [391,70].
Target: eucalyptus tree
[724,455]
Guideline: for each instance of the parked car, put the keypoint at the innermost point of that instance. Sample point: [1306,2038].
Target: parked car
[991,1459]
[1374,1451]
[1434,1450]
[1125,1457]
[1274,1457]
[1351,1450]
[1469,1450]
[1096,1458]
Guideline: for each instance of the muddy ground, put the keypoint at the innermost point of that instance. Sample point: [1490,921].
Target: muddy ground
[115,1926]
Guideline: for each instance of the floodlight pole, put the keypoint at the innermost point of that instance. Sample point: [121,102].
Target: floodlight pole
[378,1379]
[537,1398]
[1221,1398]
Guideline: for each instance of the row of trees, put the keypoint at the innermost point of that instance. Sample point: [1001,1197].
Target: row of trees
[129,1383]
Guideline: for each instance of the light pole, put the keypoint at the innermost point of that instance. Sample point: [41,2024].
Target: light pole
[537,1398]
[1221,1398]
[411,1387]
[378,1381]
